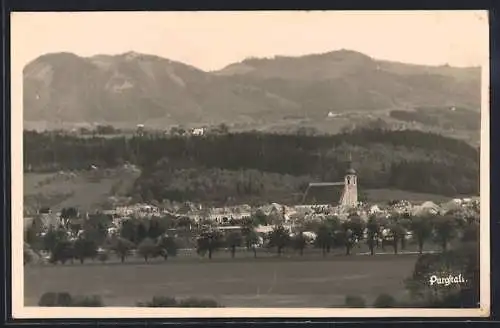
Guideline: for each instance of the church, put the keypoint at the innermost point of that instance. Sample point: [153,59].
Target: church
[344,193]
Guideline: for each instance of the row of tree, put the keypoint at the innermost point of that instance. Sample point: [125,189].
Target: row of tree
[376,232]
[162,236]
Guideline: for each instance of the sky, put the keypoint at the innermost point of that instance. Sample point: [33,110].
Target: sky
[212,40]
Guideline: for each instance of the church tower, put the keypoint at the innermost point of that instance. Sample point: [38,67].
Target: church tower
[350,195]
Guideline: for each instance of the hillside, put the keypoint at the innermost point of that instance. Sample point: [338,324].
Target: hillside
[87,190]
[269,168]
[135,88]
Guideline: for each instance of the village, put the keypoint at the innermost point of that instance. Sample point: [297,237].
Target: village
[226,218]
[197,218]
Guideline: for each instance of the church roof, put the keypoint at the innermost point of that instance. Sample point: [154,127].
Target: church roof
[351,171]
[324,193]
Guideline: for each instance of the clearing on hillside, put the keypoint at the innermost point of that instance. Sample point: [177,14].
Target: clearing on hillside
[86,190]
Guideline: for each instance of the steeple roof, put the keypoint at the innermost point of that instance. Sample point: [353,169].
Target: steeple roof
[350,170]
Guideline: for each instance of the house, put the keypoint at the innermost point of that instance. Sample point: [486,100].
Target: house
[426,208]
[50,220]
[198,131]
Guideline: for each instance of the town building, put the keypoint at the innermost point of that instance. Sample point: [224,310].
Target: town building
[343,194]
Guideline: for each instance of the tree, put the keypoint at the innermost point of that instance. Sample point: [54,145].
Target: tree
[66,300]
[128,230]
[52,238]
[87,301]
[260,218]
[421,228]
[160,301]
[397,232]
[384,301]
[324,237]
[55,299]
[352,301]
[147,248]
[373,233]
[198,303]
[251,241]
[96,227]
[279,238]
[233,240]
[299,242]
[32,234]
[122,247]
[404,222]
[84,248]
[167,246]
[445,229]
[74,228]
[141,232]
[156,228]
[62,252]
[208,242]
[463,260]
[470,233]
[352,232]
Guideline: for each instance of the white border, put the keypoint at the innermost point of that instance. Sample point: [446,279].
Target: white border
[19,311]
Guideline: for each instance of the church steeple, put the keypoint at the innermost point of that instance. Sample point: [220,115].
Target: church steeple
[350,195]
[350,169]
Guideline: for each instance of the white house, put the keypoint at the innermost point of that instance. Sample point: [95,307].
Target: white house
[198,131]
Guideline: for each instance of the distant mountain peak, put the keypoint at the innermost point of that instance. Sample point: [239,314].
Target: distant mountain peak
[131,55]
[136,87]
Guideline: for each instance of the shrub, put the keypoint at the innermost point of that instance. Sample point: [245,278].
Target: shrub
[87,301]
[199,303]
[163,301]
[55,299]
[160,301]
[384,301]
[355,301]
[65,299]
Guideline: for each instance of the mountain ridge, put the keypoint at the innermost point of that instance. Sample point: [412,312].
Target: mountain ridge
[134,87]
[252,58]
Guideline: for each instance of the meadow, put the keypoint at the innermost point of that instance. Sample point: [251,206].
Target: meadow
[309,281]
[84,189]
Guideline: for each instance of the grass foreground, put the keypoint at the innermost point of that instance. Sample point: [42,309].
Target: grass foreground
[285,282]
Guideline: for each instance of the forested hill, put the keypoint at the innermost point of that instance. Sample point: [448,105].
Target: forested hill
[255,167]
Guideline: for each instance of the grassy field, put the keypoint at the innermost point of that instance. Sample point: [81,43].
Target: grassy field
[80,189]
[385,195]
[240,282]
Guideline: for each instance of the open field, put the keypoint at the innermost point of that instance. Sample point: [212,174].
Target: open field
[385,195]
[266,282]
[85,190]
